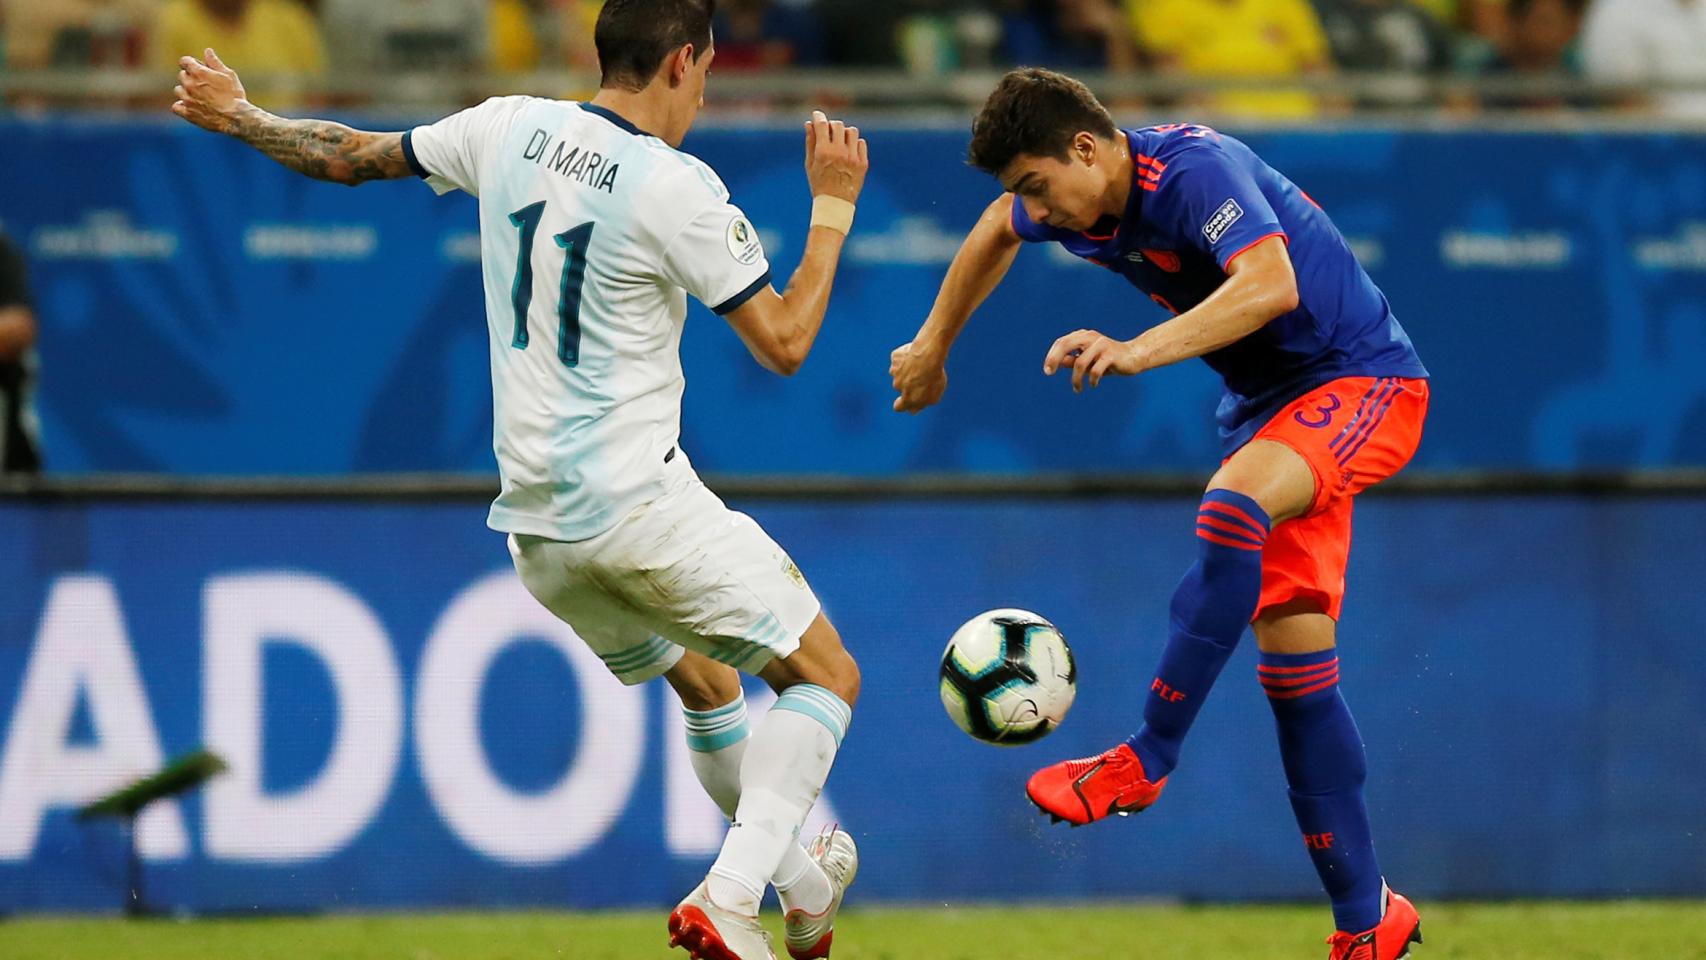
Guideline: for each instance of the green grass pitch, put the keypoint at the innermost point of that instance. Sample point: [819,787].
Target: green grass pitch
[1538,931]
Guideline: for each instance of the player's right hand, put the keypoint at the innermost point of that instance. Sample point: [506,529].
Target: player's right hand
[836,158]
[919,376]
[209,93]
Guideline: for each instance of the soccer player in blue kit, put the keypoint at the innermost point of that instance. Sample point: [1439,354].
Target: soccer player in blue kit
[1325,397]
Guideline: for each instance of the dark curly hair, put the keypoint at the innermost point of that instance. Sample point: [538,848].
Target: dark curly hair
[1036,112]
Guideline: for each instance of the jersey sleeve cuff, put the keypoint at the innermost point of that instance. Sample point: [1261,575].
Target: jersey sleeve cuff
[734,303]
[409,155]
[1246,248]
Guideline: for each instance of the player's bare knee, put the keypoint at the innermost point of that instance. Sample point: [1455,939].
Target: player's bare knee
[1295,626]
[821,660]
[703,684]
[1272,474]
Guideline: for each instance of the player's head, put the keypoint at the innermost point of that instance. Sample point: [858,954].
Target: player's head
[1048,139]
[661,47]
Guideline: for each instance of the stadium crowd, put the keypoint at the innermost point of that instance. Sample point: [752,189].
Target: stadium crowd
[1652,44]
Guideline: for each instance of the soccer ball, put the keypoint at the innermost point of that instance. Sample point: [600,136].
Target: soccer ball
[1008,677]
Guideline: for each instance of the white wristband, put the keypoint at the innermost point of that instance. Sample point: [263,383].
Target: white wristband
[832,212]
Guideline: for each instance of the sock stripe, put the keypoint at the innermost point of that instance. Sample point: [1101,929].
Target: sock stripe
[712,742]
[813,701]
[1225,541]
[738,705]
[1302,680]
[711,730]
[1283,678]
[1306,668]
[1228,512]
[713,726]
[1228,528]
[1303,691]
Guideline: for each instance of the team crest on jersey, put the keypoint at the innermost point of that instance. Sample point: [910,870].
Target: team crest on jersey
[743,241]
[1228,214]
[793,572]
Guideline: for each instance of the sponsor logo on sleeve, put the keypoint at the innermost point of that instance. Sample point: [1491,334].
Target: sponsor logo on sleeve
[1228,214]
[743,241]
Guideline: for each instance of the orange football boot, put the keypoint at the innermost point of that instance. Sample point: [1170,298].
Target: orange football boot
[1084,791]
[1390,939]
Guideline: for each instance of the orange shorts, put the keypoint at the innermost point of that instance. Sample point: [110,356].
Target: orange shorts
[1354,433]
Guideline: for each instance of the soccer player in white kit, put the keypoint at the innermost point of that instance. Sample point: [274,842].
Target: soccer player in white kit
[594,229]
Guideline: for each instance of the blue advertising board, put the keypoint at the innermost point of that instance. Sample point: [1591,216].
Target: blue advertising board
[206,311]
[406,728]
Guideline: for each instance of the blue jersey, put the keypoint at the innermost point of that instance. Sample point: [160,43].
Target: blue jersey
[1199,199]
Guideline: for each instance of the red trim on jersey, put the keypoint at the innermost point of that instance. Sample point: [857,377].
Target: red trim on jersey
[1246,248]
[1158,165]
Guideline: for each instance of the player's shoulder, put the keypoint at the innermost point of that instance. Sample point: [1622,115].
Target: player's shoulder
[1181,158]
[1186,144]
[683,178]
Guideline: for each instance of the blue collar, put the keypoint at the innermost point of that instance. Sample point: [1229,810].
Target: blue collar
[614,117]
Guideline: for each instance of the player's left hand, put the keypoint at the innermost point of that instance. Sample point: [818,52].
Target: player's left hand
[209,93]
[1091,357]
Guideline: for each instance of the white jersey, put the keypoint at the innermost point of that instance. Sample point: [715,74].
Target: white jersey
[592,234]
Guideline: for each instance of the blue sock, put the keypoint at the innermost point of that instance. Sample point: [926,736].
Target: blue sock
[1325,767]
[1211,608]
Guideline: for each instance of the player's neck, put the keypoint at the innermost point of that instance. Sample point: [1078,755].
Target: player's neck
[1121,173]
[643,109]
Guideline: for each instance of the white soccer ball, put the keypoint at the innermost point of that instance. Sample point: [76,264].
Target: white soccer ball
[1008,677]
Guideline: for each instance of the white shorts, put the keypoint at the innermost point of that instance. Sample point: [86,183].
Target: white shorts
[681,572]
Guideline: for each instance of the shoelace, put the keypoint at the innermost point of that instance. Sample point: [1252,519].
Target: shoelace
[1344,947]
[1076,768]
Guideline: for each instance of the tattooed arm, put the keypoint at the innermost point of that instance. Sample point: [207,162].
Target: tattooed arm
[212,97]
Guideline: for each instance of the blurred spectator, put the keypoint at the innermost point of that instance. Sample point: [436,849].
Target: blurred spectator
[1539,43]
[863,33]
[375,37]
[1068,35]
[19,452]
[1384,36]
[1271,39]
[75,33]
[514,42]
[1650,42]
[272,41]
[756,34]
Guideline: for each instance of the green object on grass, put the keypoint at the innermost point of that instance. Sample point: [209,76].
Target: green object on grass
[183,774]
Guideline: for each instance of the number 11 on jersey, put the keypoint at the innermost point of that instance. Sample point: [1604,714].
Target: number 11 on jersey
[574,242]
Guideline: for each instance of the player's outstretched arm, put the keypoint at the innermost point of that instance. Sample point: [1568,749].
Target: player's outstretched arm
[211,96]
[780,328]
[919,368]
[1260,287]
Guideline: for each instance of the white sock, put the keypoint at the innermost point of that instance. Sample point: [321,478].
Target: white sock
[781,776]
[716,742]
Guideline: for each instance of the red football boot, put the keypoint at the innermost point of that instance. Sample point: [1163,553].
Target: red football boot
[1390,939]
[1084,791]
